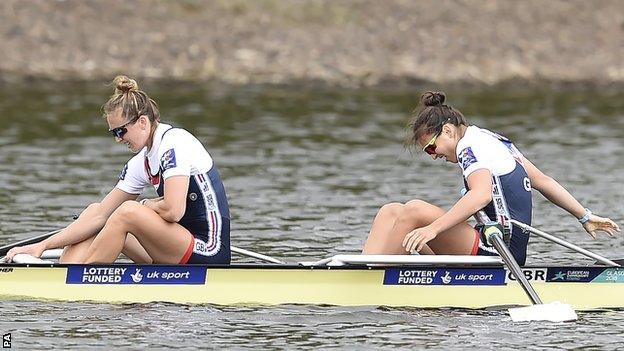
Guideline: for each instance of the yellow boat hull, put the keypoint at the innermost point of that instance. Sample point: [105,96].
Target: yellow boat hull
[273,285]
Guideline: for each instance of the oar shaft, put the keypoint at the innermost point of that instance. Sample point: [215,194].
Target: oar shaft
[503,251]
[255,255]
[561,242]
[4,249]
[500,246]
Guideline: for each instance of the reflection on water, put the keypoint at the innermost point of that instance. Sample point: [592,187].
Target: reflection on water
[305,172]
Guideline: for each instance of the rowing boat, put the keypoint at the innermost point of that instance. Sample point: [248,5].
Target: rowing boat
[347,280]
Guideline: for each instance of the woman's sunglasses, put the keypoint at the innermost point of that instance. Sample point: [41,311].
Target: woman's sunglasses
[430,148]
[119,132]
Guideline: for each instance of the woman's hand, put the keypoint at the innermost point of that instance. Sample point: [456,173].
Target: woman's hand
[417,238]
[149,203]
[597,223]
[33,249]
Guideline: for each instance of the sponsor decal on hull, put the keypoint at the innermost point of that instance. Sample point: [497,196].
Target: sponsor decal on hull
[531,274]
[454,276]
[610,275]
[586,275]
[135,274]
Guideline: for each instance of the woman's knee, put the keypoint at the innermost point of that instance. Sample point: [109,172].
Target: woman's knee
[390,209]
[127,213]
[412,212]
[416,205]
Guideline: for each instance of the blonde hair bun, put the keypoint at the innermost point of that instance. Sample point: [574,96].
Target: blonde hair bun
[124,84]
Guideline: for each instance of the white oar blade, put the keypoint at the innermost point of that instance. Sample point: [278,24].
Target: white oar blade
[552,312]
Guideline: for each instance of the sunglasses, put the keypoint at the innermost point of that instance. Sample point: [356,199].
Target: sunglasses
[119,132]
[430,148]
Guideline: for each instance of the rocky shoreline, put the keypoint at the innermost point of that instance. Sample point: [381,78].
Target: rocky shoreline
[344,43]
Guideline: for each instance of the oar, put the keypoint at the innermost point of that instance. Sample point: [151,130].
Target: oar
[555,312]
[35,239]
[256,255]
[561,242]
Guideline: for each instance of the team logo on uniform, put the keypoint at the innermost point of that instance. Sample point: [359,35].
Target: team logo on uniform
[466,158]
[168,160]
[122,175]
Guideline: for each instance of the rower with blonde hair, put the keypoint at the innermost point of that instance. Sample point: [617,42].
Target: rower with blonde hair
[188,223]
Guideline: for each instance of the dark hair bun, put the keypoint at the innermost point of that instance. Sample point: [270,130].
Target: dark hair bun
[432,98]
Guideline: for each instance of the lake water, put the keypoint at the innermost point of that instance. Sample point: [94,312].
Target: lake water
[305,171]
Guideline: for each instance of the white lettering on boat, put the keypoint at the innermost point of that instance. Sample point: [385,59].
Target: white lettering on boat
[416,277]
[102,274]
[531,274]
[577,275]
[614,275]
[480,277]
[471,277]
[104,270]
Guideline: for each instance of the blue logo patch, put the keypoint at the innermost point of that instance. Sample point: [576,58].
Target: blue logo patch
[122,175]
[168,160]
[455,276]
[580,275]
[135,274]
[466,158]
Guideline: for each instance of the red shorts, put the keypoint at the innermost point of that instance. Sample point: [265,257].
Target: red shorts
[475,245]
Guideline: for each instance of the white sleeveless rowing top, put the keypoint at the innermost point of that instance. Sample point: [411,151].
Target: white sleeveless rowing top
[511,188]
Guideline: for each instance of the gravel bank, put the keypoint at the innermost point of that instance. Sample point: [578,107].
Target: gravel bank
[350,43]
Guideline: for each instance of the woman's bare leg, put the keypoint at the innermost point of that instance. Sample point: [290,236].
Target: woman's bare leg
[77,253]
[382,224]
[134,250]
[163,241]
[458,240]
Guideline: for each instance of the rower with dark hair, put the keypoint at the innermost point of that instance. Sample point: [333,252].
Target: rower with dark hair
[498,178]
